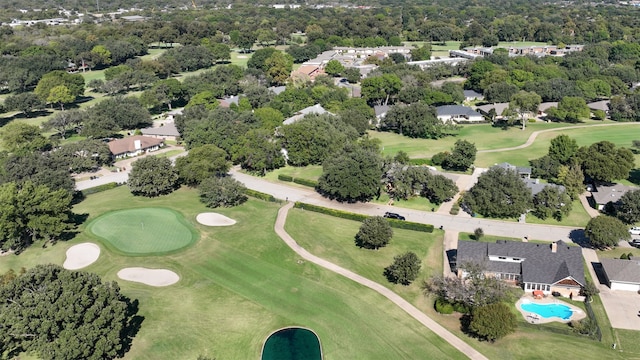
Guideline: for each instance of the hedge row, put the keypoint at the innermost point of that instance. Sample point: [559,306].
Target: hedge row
[100,188]
[305,182]
[420,162]
[261,196]
[399,224]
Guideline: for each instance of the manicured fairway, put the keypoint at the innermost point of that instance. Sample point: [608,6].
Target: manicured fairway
[145,231]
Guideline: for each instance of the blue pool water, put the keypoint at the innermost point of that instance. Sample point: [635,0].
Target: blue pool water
[548,310]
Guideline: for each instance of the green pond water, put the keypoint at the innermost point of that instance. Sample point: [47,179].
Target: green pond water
[292,344]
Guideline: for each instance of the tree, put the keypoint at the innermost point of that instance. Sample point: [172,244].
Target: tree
[351,175]
[439,189]
[269,118]
[498,92]
[404,270]
[604,162]
[202,162]
[380,89]
[574,109]
[552,201]
[64,121]
[462,156]
[499,193]
[61,95]
[415,120]
[63,315]
[606,231]
[492,322]
[259,58]
[628,211]
[31,212]
[257,152]
[562,149]
[279,67]
[83,155]
[73,82]
[478,234]
[572,178]
[352,75]
[221,192]
[152,176]
[421,53]
[375,232]
[334,68]
[21,138]
[24,102]
[524,103]
[205,98]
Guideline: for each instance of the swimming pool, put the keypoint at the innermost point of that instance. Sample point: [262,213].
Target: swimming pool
[548,310]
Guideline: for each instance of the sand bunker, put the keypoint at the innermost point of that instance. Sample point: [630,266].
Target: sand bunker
[151,277]
[81,255]
[214,219]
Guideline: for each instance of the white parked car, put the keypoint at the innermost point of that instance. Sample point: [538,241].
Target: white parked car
[635,230]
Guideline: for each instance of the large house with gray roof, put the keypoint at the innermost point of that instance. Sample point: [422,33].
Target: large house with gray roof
[458,113]
[550,268]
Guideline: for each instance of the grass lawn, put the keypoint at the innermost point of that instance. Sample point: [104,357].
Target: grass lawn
[616,252]
[169,153]
[577,217]
[333,239]
[92,75]
[237,285]
[485,238]
[628,342]
[144,231]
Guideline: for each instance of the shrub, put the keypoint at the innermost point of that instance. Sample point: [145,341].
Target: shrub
[585,326]
[375,232]
[305,182]
[478,233]
[100,188]
[260,195]
[461,308]
[455,209]
[599,114]
[419,162]
[443,306]
[283,177]
[222,192]
[439,158]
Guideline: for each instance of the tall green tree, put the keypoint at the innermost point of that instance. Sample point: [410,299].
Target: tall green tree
[404,269]
[563,148]
[222,191]
[202,162]
[499,193]
[352,174]
[629,209]
[492,322]
[461,157]
[604,162]
[552,201]
[375,232]
[58,314]
[152,176]
[524,103]
[334,68]
[21,138]
[26,103]
[279,67]
[381,89]
[60,95]
[258,152]
[606,231]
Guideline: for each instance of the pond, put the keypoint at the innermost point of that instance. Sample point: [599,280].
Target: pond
[292,344]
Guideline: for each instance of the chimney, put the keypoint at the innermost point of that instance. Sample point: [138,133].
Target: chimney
[554,247]
[137,144]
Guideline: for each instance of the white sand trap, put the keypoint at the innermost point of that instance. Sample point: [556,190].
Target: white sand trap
[151,277]
[214,219]
[81,255]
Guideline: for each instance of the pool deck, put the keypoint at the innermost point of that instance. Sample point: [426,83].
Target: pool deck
[533,318]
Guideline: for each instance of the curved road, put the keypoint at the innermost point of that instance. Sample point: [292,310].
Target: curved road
[535,134]
[393,297]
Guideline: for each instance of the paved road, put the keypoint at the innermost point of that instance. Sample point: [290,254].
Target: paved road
[393,297]
[535,134]
[448,222]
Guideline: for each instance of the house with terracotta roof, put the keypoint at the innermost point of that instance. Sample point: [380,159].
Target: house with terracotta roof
[550,268]
[134,146]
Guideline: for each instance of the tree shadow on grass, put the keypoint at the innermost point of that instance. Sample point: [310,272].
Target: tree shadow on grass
[634,176]
[134,323]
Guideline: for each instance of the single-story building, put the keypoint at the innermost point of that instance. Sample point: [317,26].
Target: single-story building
[168,131]
[523,171]
[134,146]
[228,101]
[381,112]
[499,108]
[555,267]
[315,109]
[622,274]
[603,194]
[307,71]
[458,113]
[471,95]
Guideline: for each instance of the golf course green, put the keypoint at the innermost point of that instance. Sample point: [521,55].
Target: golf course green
[144,231]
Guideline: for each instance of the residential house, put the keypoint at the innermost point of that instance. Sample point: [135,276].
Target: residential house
[523,171]
[166,131]
[134,146]
[315,109]
[307,71]
[622,274]
[472,95]
[600,105]
[228,101]
[550,268]
[604,193]
[458,113]
[381,112]
[499,108]
[536,186]
[543,107]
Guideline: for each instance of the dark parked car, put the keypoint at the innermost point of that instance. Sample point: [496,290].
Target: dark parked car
[391,215]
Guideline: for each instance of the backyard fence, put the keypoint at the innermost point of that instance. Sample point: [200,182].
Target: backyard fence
[597,334]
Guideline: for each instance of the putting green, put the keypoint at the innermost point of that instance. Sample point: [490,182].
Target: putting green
[144,231]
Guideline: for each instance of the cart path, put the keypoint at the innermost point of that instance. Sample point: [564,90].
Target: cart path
[535,134]
[393,297]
